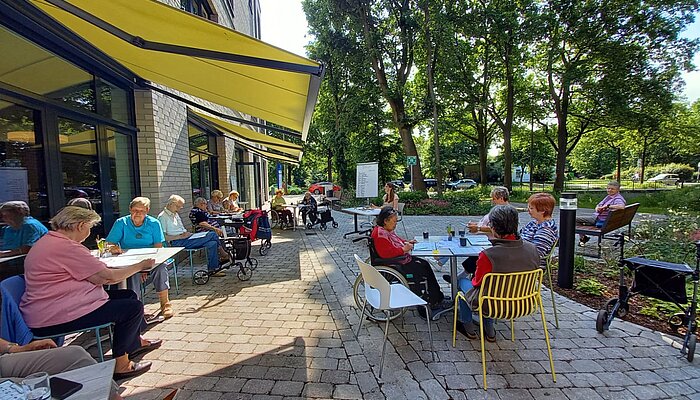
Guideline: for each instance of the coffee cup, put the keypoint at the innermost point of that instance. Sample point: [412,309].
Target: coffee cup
[426,235]
[463,241]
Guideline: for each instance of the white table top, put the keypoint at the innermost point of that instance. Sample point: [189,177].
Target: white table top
[124,260]
[361,211]
[96,380]
[441,246]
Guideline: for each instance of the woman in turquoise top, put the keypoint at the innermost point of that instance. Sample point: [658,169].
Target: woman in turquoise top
[139,230]
[21,231]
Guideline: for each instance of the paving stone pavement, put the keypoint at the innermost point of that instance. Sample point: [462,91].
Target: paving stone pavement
[288,334]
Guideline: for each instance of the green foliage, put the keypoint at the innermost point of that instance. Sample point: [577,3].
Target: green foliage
[671,240]
[412,197]
[580,265]
[590,286]
[467,202]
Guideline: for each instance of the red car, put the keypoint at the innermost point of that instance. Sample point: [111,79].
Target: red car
[319,187]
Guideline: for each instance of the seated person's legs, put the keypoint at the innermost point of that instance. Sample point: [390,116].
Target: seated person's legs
[465,325]
[420,269]
[52,361]
[469,265]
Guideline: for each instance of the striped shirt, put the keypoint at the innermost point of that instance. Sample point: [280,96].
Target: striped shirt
[542,235]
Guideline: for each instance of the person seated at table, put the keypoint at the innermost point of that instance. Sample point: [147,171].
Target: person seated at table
[278,204]
[64,291]
[499,197]
[508,254]
[231,202]
[216,204]
[389,245]
[18,362]
[542,231]
[178,236]
[136,231]
[308,207]
[390,198]
[22,230]
[613,201]
[80,202]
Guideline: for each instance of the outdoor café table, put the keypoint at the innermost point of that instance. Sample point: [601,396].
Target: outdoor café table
[96,380]
[355,211]
[295,211]
[132,256]
[233,220]
[439,246]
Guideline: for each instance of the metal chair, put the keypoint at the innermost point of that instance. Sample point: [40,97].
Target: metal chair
[550,263]
[14,329]
[507,296]
[382,295]
[399,210]
[169,264]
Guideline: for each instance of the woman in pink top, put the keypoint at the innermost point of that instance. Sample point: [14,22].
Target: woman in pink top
[64,290]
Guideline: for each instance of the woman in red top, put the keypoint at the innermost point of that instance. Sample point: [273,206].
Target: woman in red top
[389,245]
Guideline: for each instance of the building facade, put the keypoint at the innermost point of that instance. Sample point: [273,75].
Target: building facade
[71,125]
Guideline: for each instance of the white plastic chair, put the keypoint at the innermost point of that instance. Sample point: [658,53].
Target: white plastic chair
[382,295]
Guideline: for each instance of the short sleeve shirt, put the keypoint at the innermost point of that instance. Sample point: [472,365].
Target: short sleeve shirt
[198,216]
[615,200]
[56,271]
[171,223]
[27,234]
[129,236]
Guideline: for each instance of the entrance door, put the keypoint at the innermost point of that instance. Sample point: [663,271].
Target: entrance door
[249,183]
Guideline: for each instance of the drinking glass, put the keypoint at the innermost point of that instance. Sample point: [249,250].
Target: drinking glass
[462,241]
[101,245]
[36,386]
[426,235]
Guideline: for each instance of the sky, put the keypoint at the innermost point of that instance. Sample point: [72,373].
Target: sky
[283,24]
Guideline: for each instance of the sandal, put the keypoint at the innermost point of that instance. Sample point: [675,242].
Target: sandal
[152,345]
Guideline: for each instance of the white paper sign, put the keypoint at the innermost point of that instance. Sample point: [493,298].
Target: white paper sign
[367,180]
[14,184]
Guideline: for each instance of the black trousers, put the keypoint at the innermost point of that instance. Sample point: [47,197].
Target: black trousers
[310,212]
[469,264]
[123,309]
[419,269]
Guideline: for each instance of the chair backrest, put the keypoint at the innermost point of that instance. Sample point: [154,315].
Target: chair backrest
[399,210]
[373,279]
[12,327]
[511,295]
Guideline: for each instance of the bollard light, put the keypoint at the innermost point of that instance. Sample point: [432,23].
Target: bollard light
[568,204]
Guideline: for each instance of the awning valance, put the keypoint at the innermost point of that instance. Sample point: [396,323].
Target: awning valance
[292,150]
[175,49]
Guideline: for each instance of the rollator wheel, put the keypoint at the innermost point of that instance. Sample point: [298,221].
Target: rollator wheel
[265,247]
[323,226]
[691,347]
[244,273]
[251,263]
[309,225]
[335,224]
[601,320]
[678,321]
[201,277]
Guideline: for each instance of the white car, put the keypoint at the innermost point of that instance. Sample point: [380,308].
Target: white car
[461,184]
[667,179]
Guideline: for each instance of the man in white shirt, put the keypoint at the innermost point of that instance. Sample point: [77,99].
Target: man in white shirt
[177,235]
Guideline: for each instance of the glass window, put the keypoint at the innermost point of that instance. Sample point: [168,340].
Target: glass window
[112,101]
[22,170]
[30,67]
[197,7]
[81,171]
[121,155]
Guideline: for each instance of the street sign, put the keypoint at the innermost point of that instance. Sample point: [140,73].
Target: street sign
[411,160]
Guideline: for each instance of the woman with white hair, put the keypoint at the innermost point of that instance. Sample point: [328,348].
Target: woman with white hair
[216,204]
[139,230]
[64,291]
[231,203]
[22,230]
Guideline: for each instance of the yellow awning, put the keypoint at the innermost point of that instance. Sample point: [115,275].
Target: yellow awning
[292,150]
[263,153]
[173,48]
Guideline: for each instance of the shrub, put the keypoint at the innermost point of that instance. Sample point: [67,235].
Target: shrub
[685,172]
[412,197]
[671,240]
[590,286]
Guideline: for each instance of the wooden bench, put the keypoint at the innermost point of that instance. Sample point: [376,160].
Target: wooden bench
[616,219]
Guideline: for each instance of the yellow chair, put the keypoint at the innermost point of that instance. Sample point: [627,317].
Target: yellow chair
[550,263]
[507,296]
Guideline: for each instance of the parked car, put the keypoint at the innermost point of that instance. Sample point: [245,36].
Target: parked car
[461,184]
[398,183]
[667,179]
[430,182]
[319,187]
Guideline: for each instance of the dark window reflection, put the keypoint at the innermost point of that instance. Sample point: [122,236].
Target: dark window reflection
[22,171]
[121,150]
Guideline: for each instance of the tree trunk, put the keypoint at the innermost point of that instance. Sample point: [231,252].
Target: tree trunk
[329,166]
[644,160]
[510,112]
[619,164]
[433,100]
[562,136]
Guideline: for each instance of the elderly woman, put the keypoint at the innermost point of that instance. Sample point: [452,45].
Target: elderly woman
[22,230]
[508,254]
[136,231]
[277,204]
[80,202]
[499,197]
[64,290]
[177,235]
[389,245]
[201,219]
[542,231]
[308,205]
[216,204]
[231,202]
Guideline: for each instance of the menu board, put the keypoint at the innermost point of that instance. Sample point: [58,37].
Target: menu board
[367,180]
[14,183]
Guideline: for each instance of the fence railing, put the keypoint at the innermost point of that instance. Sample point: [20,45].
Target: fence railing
[593,184]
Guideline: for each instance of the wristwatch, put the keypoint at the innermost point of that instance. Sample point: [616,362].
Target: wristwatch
[9,346]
